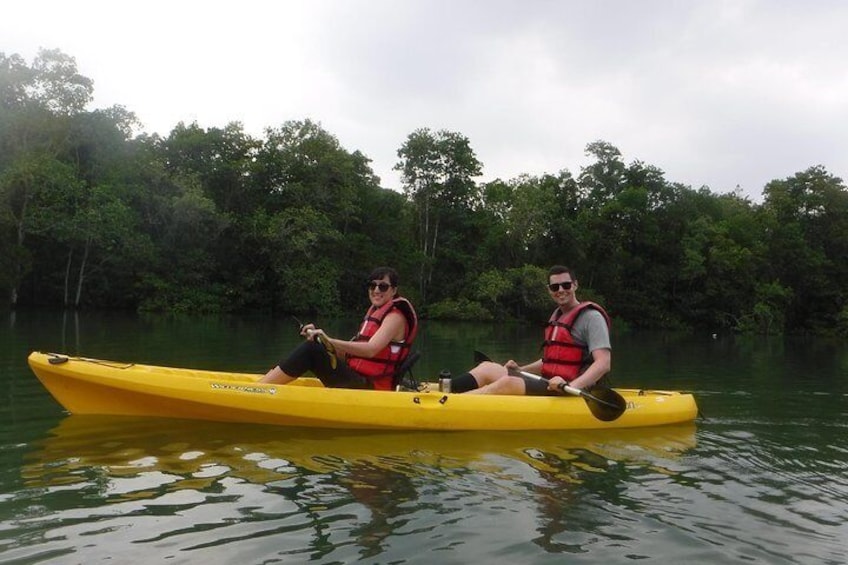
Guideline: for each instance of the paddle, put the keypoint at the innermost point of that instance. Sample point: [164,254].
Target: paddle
[329,348]
[480,357]
[604,403]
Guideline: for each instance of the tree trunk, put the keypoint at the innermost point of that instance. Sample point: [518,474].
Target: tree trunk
[68,276]
[425,241]
[432,260]
[82,272]
[13,294]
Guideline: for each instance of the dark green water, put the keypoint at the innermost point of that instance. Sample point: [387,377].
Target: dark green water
[760,479]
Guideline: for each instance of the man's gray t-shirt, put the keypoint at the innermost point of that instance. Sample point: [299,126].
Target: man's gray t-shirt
[590,328]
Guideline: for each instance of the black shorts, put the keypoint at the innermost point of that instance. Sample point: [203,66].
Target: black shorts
[537,387]
[310,356]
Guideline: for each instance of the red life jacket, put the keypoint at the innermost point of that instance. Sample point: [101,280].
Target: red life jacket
[381,368]
[562,355]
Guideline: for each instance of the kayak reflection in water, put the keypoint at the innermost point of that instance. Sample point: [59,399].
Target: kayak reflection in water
[391,498]
[371,360]
[576,350]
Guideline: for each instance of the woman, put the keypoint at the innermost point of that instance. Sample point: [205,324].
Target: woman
[372,358]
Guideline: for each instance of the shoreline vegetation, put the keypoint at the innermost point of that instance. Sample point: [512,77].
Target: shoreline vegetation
[97,214]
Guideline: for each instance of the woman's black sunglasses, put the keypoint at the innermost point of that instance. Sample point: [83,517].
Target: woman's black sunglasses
[383,286]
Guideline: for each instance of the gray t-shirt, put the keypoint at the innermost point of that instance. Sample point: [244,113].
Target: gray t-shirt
[590,328]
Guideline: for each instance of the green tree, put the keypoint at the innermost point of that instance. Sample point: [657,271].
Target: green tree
[604,178]
[720,259]
[300,164]
[306,275]
[36,104]
[27,184]
[437,171]
[57,85]
[103,237]
[221,158]
[303,169]
[807,222]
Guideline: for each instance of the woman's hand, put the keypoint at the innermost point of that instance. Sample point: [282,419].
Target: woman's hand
[318,334]
[312,333]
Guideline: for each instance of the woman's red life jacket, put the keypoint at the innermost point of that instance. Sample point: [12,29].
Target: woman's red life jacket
[381,368]
[562,355]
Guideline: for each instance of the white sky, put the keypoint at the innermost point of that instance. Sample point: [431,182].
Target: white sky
[715,93]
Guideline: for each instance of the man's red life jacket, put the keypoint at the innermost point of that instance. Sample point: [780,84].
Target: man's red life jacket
[562,355]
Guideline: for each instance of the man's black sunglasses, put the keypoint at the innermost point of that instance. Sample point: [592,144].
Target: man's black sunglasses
[565,285]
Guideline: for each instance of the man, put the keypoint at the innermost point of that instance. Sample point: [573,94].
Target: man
[576,349]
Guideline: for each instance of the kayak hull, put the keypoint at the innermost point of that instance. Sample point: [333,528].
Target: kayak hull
[95,386]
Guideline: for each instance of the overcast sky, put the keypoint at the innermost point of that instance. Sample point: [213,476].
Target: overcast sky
[715,93]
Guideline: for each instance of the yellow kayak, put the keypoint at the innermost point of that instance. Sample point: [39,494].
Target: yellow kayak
[95,386]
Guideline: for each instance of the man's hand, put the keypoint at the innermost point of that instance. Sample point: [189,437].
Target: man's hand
[557,384]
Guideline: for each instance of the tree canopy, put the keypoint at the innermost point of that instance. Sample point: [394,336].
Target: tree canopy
[212,219]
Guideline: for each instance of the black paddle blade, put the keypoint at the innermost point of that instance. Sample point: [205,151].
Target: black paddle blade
[480,357]
[605,404]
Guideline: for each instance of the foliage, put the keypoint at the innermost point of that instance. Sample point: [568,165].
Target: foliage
[93,214]
[458,309]
[515,293]
[842,322]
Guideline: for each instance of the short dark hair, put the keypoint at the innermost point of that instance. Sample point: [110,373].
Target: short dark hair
[381,272]
[561,269]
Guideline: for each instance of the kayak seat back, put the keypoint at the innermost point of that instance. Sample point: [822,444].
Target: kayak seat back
[404,379]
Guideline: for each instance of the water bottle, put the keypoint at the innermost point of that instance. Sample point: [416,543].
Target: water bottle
[444,381]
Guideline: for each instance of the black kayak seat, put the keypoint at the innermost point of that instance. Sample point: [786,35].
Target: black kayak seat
[404,377]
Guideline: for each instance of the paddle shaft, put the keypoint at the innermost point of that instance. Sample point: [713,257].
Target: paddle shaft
[565,387]
[479,357]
